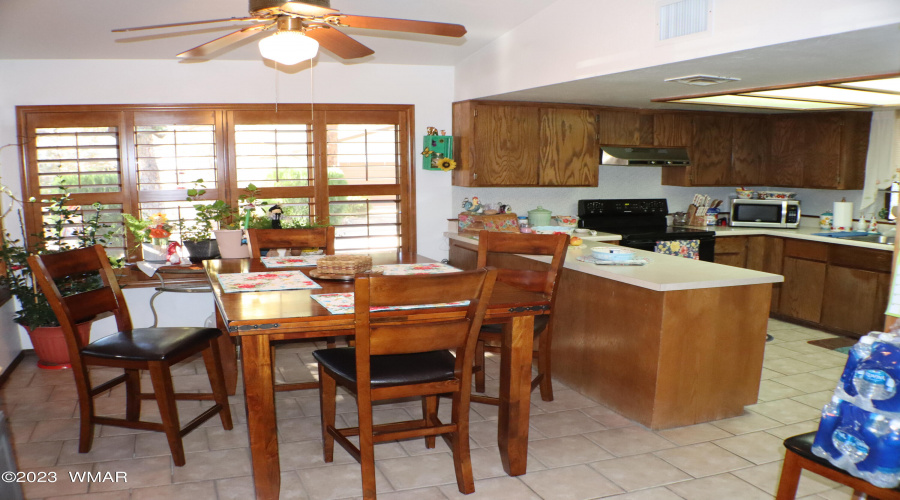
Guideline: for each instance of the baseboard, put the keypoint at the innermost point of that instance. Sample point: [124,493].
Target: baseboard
[12,366]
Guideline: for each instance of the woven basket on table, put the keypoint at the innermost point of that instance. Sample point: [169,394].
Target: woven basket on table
[344,264]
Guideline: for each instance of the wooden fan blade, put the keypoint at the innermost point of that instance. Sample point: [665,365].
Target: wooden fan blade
[405,25]
[338,43]
[305,9]
[222,42]
[172,25]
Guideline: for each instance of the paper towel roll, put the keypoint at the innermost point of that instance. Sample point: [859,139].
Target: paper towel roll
[843,216]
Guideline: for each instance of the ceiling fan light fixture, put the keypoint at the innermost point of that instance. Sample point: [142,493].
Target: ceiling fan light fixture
[288,47]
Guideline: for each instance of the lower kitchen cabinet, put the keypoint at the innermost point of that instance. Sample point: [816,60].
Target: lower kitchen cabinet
[841,288]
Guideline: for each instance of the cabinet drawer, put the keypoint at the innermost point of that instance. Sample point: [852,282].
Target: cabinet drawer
[731,244]
[809,250]
[860,258]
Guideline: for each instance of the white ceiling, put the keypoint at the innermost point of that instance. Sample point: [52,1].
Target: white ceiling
[81,29]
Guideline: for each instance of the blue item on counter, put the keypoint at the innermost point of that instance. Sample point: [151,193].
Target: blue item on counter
[865,444]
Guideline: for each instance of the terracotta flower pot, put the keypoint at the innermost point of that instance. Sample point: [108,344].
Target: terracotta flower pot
[50,344]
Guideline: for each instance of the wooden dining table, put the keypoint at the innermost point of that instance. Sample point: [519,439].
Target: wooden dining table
[258,318]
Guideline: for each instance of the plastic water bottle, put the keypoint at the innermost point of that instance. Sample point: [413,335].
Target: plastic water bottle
[874,384]
[886,473]
[831,417]
[857,353]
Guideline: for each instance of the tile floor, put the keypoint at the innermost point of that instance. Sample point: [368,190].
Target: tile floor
[578,449]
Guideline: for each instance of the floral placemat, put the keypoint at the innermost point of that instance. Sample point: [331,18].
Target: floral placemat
[266,282]
[342,303]
[291,261]
[406,269]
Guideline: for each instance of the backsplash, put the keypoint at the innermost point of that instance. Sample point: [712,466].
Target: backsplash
[635,182]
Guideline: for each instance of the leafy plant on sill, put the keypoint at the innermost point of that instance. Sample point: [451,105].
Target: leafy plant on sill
[210,216]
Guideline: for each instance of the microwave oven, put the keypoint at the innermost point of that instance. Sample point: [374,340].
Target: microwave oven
[765,213]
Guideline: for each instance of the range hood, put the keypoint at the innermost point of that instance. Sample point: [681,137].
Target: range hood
[643,156]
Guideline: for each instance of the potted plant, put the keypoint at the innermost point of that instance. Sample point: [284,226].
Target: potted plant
[230,238]
[198,237]
[34,312]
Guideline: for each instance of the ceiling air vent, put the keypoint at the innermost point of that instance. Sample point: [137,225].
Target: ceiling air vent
[683,18]
[702,80]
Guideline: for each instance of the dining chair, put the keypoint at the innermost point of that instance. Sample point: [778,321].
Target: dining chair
[265,239]
[799,456]
[96,291]
[399,355]
[493,249]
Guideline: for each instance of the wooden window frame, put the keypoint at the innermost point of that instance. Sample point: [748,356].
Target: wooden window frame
[31,117]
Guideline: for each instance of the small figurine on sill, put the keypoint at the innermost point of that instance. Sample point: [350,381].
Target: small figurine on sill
[275,214]
[501,208]
[173,258]
[476,206]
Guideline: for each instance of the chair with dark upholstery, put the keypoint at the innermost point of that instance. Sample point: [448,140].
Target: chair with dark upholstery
[495,248]
[265,239]
[799,456]
[132,349]
[400,355]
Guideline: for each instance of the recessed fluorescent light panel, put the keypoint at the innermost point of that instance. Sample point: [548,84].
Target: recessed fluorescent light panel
[763,102]
[825,95]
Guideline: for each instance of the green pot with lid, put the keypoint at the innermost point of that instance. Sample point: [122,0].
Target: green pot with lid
[539,217]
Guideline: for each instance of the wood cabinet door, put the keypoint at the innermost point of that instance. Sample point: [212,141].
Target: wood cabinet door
[624,128]
[749,149]
[802,292]
[822,159]
[710,150]
[788,145]
[672,129]
[731,251]
[854,300]
[570,154]
[506,145]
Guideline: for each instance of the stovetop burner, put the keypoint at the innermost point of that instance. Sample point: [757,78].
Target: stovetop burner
[633,218]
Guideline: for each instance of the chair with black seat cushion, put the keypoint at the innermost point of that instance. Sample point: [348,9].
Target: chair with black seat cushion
[496,249]
[132,349]
[399,355]
[799,456]
[294,239]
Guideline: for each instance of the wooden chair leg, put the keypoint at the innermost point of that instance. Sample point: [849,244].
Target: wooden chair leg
[478,370]
[429,414]
[327,404]
[544,366]
[132,395]
[213,361]
[366,444]
[85,409]
[165,397]
[790,476]
[459,443]
[330,343]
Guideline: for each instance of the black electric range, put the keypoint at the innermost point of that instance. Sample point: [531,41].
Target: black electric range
[642,223]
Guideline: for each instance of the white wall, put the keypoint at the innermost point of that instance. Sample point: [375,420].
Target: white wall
[575,39]
[429,88]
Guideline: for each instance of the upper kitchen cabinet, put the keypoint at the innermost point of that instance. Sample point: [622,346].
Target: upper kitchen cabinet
[504,144]
[749,149]
[818,150]
[709,141]
[623,127]
[672,129]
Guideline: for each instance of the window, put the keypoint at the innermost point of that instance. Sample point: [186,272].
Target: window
[344,165]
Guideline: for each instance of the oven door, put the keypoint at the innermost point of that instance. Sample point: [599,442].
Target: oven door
[707,243]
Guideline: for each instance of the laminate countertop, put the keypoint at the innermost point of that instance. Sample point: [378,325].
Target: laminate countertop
[662,272]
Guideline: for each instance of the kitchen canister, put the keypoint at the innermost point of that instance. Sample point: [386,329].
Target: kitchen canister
[540,216]
[825,220]
[843,216]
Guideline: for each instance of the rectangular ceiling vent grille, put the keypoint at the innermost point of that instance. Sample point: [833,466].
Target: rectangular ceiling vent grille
[683,18]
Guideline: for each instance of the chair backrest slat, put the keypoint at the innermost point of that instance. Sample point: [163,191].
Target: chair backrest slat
[553,245]
[411,331]
[264,239]
[48,269]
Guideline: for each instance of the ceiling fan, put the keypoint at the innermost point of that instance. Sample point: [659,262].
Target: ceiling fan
[302,26]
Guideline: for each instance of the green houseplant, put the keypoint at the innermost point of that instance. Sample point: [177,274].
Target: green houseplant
[198,237]
[34,312]
[231,236]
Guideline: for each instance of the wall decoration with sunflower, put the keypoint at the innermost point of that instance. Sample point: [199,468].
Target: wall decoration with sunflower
[437,152]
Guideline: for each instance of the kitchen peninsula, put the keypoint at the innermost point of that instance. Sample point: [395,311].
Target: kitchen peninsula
[672,343]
